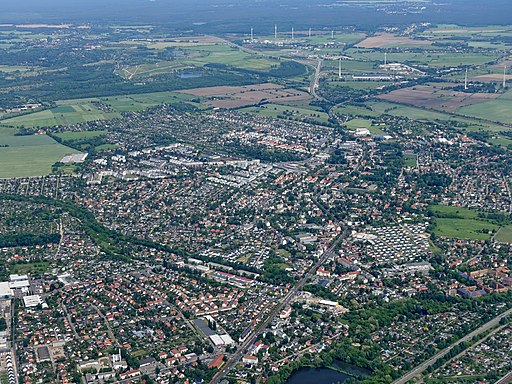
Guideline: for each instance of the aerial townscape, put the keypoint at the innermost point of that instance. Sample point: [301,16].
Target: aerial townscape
[223,192]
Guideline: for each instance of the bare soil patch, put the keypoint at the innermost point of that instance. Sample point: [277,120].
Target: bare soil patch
[236,97]
[384,39]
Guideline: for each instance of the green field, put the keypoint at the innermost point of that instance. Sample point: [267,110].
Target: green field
[504,235]
[27,156]
[200,55]
[139,102]
[79,135]
[68,112]
[285,111]
[464,228]
[410,160]
[353,110]
[383,107]
[78,111]
[461,223]
[433,59]
[37,268]
[499,109]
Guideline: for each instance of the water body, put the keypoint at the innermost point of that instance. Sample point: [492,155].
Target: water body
[308,375]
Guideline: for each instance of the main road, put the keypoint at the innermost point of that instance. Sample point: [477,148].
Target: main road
[423,366]
[235,358]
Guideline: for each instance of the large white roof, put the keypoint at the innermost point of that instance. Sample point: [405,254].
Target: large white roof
[5,290]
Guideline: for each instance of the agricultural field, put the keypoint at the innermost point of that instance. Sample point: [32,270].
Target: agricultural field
[79,135]
[195,54]
[236,97]
[389,40]
[415,113]
[497,109]
[432,59]
[139,102]
[437,96]
[68,112]
[25,156]
[285,111]
[77,111]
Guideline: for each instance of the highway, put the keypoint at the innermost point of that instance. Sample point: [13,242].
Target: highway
[423,366]
[235,358]
[316,80]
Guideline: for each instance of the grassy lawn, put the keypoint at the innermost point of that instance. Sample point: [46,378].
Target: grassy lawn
[353,110]
[411,160]
[461,223]
[504,235]
[29,155]
[464,228]
[38,268]
[445,211]
[106,147]
[363,123]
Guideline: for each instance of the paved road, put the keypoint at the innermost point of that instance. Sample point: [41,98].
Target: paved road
[235,358]
[316,79]
[422,367]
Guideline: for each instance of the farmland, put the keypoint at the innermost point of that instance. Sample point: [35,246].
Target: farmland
[25,156]
[236,97]
[438,97]
[388,40]
[64,114]
[289,112]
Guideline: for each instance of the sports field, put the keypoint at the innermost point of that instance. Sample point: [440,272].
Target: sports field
[24,156]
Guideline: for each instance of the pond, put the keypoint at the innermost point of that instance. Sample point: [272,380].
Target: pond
[308,375]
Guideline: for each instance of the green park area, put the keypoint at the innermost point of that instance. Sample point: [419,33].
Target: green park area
[35,268]
[504,235]
[464,223]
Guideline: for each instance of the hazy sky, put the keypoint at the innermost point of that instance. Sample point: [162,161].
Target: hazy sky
[232,12]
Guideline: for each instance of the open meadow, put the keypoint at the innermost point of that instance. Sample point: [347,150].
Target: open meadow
[25,156]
